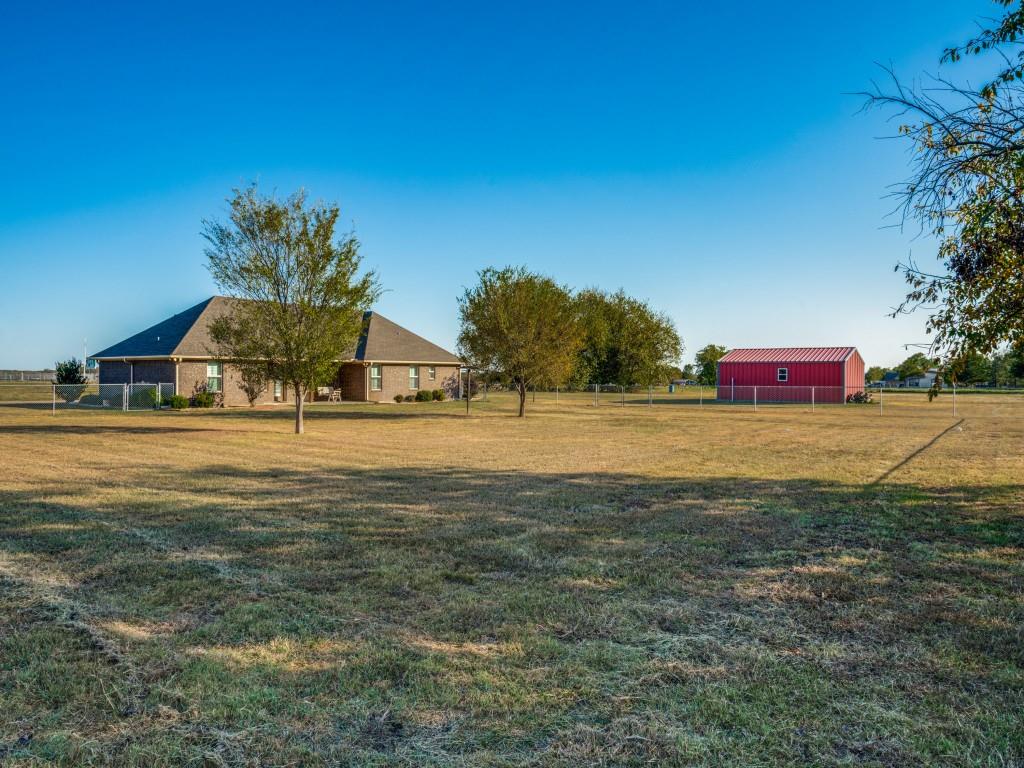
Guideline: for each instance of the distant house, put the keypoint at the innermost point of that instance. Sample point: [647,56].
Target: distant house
[387,360]
[791,374]
[891,379]
[926,379]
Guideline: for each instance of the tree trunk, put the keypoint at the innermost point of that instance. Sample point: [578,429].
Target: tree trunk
[299,398]
[522,400]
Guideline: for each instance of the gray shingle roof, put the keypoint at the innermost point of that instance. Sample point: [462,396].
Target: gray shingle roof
[186,334]
[384,340]
[162,339]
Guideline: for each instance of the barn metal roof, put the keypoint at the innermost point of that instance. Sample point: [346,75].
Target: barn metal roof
[789,355]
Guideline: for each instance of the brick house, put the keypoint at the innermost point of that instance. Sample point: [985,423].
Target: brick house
[388,360]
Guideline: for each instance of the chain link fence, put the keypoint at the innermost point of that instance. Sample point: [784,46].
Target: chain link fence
[617,394]
[979,402]
[111,397]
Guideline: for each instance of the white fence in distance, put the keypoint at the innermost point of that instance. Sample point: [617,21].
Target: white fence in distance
[698,395]
[986,402]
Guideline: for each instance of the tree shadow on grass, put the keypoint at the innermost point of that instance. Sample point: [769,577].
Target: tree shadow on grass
[102,429]
[790,599]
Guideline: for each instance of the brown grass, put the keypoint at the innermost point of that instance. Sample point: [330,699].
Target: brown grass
[614,586]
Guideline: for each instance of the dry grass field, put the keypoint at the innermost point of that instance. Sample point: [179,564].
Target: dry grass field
[404,585]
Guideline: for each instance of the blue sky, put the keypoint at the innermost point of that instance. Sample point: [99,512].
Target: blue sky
[709,159]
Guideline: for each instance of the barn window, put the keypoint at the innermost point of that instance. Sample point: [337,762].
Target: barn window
[783,374]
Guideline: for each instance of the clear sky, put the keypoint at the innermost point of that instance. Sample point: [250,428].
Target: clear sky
[707,157]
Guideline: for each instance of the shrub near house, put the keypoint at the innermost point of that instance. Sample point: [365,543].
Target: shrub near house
[69,376]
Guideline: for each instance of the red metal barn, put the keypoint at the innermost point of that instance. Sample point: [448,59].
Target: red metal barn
[791,374]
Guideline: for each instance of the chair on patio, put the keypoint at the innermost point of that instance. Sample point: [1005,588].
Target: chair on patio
[335,395]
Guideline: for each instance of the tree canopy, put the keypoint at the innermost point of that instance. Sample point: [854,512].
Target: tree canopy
[1008,31]
[522,326]
[970,368]
[967,190]
[625,341]
[69,372]
[875,373]
[707,362]
[71,378]
[916,365]
[302,297]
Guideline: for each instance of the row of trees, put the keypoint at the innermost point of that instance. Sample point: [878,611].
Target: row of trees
[528,331]
[1001,368]
[916,365]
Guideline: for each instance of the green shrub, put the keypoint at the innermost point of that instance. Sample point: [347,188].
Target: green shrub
[438,394]
[399,398]
[409,398]
[203,400]
[143,398]
[178,402]
[70,376]
[424,396]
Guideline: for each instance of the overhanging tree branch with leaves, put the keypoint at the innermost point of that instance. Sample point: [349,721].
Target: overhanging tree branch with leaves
[967,190]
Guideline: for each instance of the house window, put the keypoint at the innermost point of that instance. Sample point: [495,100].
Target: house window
[783,374]
[214,377]
[432,373]
[376,379]
[414,377]
[278,391]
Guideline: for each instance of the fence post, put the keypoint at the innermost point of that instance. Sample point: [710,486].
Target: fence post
[556,395]
[954,399]
[812,399]
[595,394]
[880,390]
[650,396]
[732,395]
[124,397]
[54,412]
[469,388]
[755,398]
[622,395]
[701,395]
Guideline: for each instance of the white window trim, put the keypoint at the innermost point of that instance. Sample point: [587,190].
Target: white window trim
[432,372]
[219,376]
[379,378]
[415,386]
[782,375]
